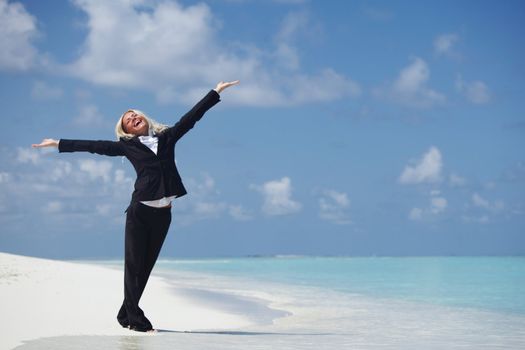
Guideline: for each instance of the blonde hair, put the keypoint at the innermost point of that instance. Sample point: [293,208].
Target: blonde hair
[153,125]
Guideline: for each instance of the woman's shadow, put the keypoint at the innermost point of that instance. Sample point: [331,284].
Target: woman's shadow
[238,332]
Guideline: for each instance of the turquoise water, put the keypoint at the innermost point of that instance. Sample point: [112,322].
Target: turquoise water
[486,283]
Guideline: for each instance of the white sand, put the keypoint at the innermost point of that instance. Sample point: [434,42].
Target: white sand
[44,298]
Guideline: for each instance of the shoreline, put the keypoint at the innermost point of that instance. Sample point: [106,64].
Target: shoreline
[194,309]
[260,308]
[43,298]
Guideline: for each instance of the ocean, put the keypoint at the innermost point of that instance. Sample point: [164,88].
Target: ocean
[484,283]
[343,303]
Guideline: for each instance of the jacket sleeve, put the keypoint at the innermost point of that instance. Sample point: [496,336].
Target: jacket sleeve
[107,148]
[188,120]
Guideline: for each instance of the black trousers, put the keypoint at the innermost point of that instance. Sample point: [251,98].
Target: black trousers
[146,229]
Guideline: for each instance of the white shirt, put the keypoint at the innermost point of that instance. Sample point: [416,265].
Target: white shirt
[152,142]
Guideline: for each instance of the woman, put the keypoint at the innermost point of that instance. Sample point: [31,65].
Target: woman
[149,146]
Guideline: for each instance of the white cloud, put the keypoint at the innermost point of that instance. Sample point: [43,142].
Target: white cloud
[483,207]
[104,209]
[295,27]
[205,187]
[437,205]
[287,56]
[209,209]
[157,40]
[205,203]
[90,116]
[483,203]
[17,30]
[61,170]
[479,201]
[427,170]
[333,207]
[415,214]
[42,91]
[455,180]
[477,92]
[96,169]
[324,86]
[293,24]
[484,219]
[121,178]
[27,155]
[411,89]
[444,43]
[175,52]
[277,197]
[239,213]
[49,179]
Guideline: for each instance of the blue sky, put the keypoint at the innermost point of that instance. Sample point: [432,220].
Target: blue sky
[359,128]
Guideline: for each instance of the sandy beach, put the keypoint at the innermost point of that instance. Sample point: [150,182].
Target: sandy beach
[46,298]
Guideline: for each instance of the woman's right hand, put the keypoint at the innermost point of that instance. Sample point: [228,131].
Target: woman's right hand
[225,84]
[46,143]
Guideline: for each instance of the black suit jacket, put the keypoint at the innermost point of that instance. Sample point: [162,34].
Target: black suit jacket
[157,174]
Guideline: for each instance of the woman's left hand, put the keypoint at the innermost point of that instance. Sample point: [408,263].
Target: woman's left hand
[223,85]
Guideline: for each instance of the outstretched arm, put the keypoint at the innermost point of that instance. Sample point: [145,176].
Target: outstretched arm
[195,114]
[107,148]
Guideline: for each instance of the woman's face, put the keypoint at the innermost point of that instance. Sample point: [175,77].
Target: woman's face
[135,124]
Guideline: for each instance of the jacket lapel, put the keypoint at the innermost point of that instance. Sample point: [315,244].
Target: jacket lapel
[136,142]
